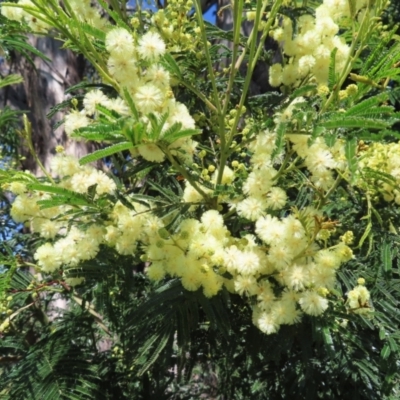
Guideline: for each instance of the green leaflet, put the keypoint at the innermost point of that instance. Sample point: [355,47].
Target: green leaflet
[385,352]
[301,91]
[280,140]
[113,14]
[388,58]
[386,256]
[379,113]
[326,334]
[375,137]
[330,139]
[175,132]
[379,55]
[342,121]
[96,136]
[365,234]
[367,104]
[134,131]
[162,340]
[108,151]
[137,133]
[370,173]
[171,65]
[20,46]
[55,190]
[218,33]
[88,29]
[100,132]
[131,104]
[60,106]
[20,279]
[317,132]
[393,346]
[183,326]
[365,369]
[59,201]
[11,79]
[389,73]
[137,198]
[351,156]
[106,114]
[84,85]
[6,275]
[332,70]
[157,124]
[63,196]
[166,192]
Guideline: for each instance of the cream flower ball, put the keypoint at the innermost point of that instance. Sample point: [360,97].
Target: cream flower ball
[119,41]
[151,46]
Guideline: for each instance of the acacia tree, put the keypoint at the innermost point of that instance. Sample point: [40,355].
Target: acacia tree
[247,237]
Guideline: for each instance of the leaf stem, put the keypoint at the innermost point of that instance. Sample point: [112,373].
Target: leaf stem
[253,56]
[27,135]
[200,95]
[237,24]
[210,69]
[365,28]
[185,174]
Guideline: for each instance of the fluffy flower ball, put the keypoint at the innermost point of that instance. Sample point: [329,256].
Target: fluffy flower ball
[151,46]
[92,99]
[151,152]
[74,121]
[312,303]
[119,41]
[47,258]
[148,98]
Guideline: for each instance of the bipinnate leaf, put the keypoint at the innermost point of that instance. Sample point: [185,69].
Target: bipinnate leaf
[351,152]
[386,255]
[108,151]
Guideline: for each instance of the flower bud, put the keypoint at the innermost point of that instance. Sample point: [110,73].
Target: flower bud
[361,281]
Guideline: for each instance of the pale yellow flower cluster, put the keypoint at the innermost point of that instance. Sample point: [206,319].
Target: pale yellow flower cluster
[383,158]
[178,27]
[309,48]
[5,312]
[19,14]
[5,325]
[135,64]
[85,12]
[358,299]
[320,159]
[82,10]
[282,268]
[75,245]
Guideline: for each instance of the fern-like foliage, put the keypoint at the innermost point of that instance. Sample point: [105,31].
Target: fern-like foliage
[57,366]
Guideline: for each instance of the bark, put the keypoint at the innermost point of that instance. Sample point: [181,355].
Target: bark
[259,82]
[42,89]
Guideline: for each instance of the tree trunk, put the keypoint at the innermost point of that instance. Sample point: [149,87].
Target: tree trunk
[42,89]
[259,82]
